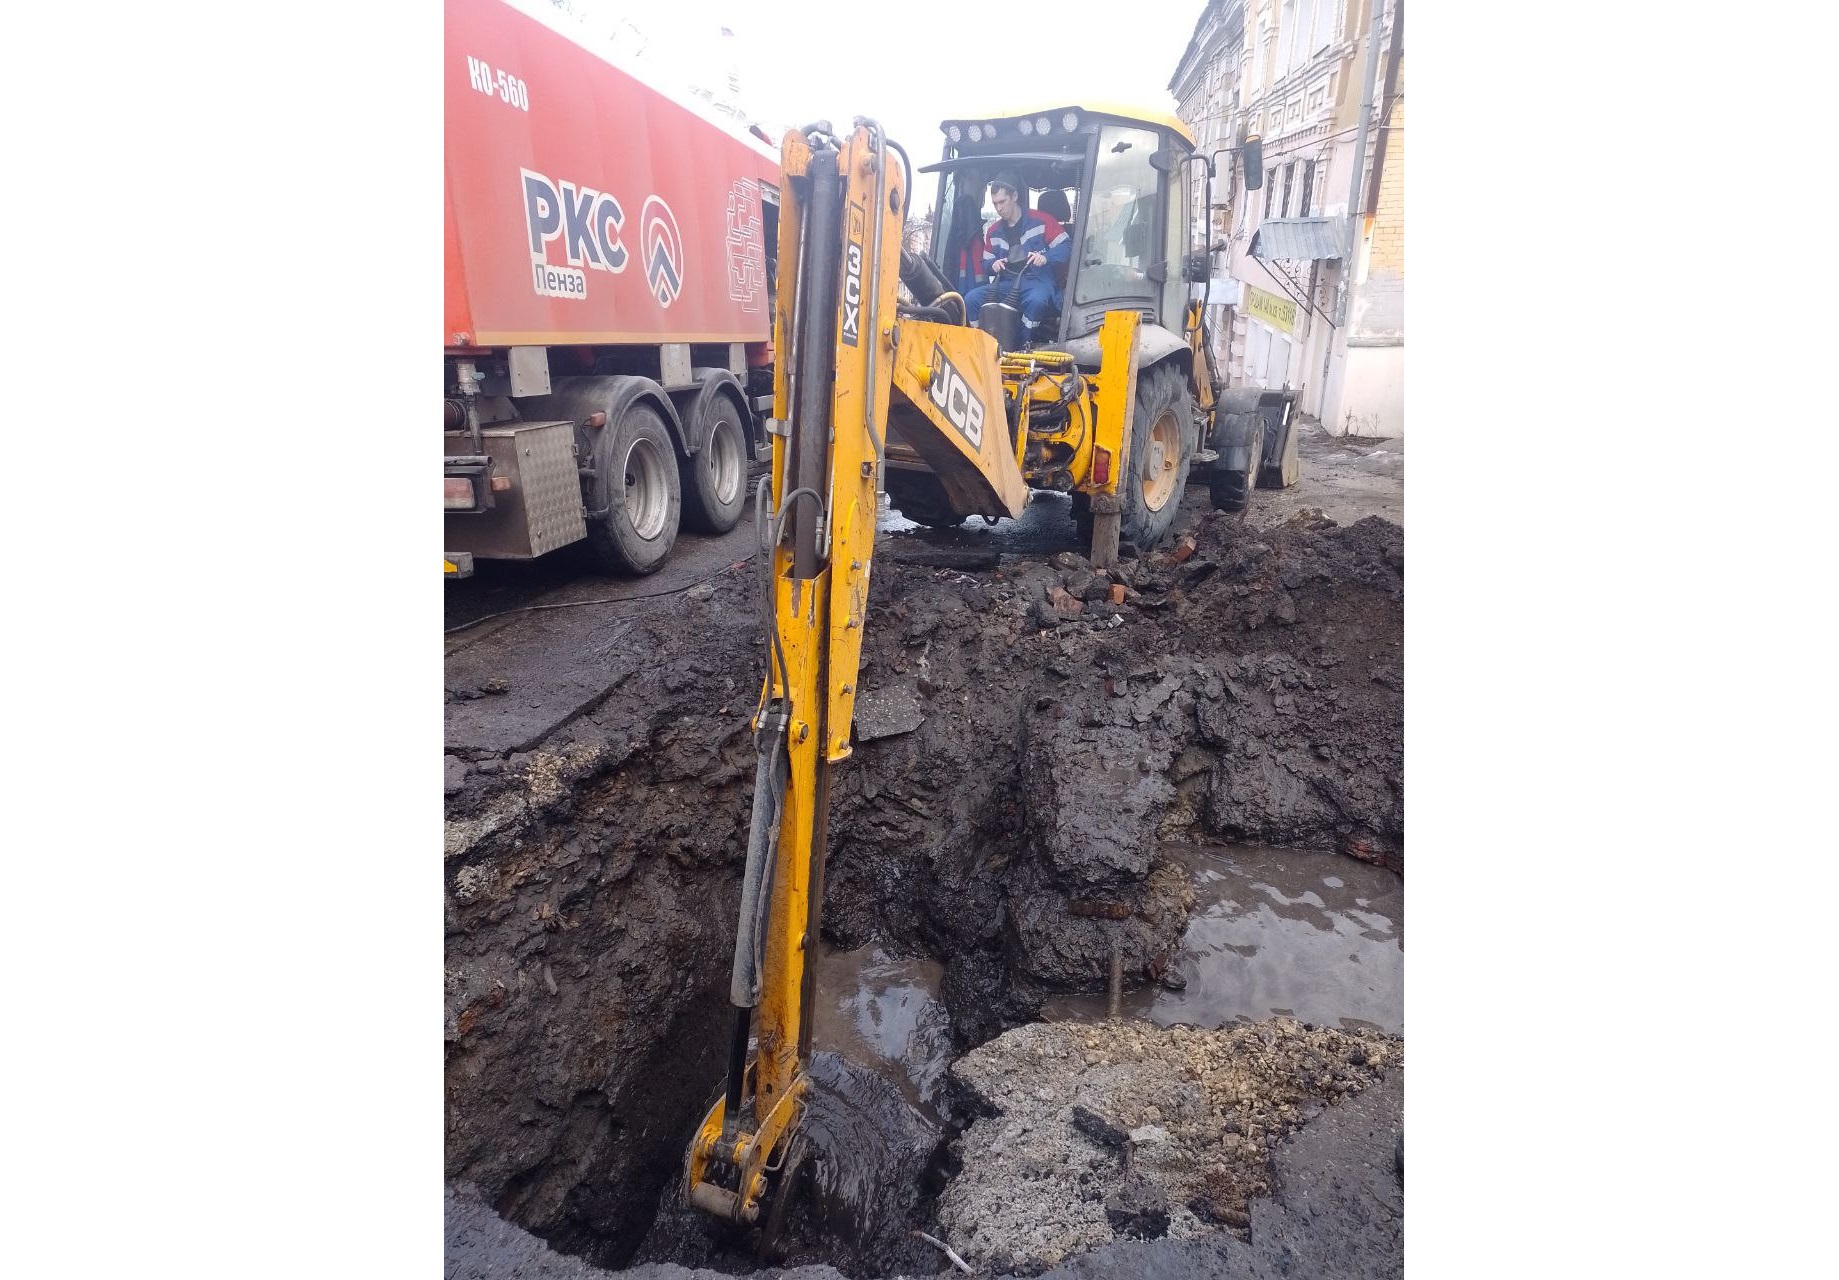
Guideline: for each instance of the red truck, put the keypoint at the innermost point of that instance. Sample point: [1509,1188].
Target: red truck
[609,275]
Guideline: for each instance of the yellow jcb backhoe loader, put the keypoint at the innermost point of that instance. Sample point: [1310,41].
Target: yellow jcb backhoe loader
[951,416]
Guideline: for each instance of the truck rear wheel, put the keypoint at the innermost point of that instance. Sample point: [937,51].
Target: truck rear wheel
[636,485]
[1161,448]
[715,480]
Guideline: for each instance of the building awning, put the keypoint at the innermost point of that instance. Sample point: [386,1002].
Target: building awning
[1298,239]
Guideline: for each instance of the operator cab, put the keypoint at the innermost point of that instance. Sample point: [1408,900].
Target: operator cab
[1123,180]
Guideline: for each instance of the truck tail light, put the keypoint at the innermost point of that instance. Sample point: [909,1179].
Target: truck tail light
[1101,466]
[470,483]
[460,493]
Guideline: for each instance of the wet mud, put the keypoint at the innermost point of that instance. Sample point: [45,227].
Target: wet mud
[1011,831]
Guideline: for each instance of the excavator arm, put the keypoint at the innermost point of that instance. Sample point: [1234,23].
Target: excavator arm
[860,389]
[842,350]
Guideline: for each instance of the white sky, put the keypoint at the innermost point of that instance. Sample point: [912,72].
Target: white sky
[911,65]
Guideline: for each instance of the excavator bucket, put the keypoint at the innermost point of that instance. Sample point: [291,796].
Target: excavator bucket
[950,418]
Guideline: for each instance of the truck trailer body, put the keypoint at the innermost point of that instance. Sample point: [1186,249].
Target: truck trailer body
[608,308]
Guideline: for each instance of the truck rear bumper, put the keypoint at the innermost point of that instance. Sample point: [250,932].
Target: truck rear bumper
[535,493]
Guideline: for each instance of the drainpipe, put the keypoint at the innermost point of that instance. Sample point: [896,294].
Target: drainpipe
[1354,204]
[1379,143]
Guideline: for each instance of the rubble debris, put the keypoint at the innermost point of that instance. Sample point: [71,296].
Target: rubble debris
[1210,1108]
[1097,1128]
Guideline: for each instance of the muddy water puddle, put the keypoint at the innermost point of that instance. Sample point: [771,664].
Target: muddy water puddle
[884,1013]
[1316,936]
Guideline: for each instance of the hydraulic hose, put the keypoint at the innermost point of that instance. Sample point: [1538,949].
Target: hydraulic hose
[756,881]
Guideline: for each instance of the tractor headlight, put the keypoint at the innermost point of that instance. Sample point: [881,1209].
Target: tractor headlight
[953,132]
[1042,125]
[1070,121]
[976,133]
[1027,128]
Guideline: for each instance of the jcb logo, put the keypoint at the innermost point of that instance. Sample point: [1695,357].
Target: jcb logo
[852,278]
[955,399]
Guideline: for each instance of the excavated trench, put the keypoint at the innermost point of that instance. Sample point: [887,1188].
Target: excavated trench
[1028,746]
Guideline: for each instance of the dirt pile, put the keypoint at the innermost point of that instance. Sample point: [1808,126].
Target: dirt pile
[1248,687]
[1124,1130]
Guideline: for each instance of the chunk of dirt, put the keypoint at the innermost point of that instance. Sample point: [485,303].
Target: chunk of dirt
[885,712]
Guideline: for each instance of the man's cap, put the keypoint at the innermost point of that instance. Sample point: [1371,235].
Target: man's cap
[1007,179]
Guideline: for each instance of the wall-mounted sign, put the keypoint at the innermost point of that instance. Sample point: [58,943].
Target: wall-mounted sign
[1279,313]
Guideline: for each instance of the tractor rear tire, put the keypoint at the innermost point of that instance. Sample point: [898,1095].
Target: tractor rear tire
[1232,490]
[636,484]
[1161,450]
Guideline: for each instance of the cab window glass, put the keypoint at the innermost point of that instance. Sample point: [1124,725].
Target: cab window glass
[1175,290]
[961,219]
[1120,236]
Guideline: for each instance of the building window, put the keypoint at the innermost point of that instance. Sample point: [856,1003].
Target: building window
[1257,352]
[1270,189]
[1322,24]
[1289,172]
[1302,203]
[1298,29]
[1286,36]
